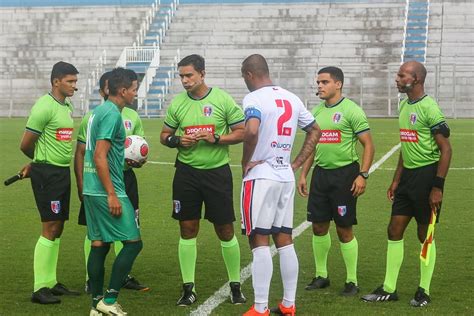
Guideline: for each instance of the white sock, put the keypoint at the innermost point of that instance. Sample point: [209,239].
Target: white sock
[262,270]
[289,274]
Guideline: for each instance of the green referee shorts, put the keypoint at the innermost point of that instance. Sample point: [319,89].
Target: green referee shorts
[101,225]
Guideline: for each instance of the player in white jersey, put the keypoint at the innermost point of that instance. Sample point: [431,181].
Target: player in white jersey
[272,117]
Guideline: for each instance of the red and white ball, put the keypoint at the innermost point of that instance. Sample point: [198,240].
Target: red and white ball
[136,148]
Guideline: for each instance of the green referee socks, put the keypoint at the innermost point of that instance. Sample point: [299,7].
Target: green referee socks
[231,254]
[187,254]
[350,252]
[118,245]
[427,270]
[394,262]
[87,251]
[321,246]
[45,261]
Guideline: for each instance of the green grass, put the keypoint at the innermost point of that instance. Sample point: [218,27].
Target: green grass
[157,265]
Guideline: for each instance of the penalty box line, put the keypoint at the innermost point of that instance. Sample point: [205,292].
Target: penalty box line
[222,294]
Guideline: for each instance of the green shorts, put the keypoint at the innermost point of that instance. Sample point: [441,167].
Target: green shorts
[101,225]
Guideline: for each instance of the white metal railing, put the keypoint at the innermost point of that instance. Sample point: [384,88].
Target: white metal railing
[137,54]
[92,79]
[145,26]
[427,27]
[405,26]
[148,78]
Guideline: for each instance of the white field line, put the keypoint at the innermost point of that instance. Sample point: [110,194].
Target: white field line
[222,294]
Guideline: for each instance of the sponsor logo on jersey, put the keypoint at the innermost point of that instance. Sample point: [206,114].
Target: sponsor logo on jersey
[64,134]
[408,136]
[412,118]
[278,145]
[330,136]
[176,206]
[56,207]
[127,124]
[342,210]
[190,130]
[207,110]
[337,117]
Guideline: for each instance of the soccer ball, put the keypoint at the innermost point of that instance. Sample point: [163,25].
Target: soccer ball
[136,148]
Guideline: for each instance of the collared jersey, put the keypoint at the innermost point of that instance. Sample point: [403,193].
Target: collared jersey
[216,113]
[131,122]
[53,122]
[340,125]
[280,113]
[416,121]
[105,123]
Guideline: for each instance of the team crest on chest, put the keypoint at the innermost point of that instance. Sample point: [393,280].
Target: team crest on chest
[127,124]
[336,118]
[413,118]
[207,110]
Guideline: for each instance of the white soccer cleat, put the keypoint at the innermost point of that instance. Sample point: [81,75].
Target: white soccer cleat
[110,309]
[95,312]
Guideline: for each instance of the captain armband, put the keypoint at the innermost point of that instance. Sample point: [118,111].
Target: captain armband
[442,128]
[173,141]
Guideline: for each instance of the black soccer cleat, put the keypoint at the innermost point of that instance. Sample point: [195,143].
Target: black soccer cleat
[318,283]
[44,296]
[379,295]
[350,289]
[421,299]
[236,296]
[189,296]
[132,284]
[60,289]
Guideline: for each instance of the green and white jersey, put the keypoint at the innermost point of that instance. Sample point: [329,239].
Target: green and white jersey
[131,122]
[216,112]
[105,123]
[340,125]
[52,121]
[416,120]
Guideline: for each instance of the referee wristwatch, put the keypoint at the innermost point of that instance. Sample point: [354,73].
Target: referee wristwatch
[364,174]
[217,138]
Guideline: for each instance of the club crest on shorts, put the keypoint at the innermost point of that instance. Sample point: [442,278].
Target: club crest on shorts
[337,117]
[412,118]
[176,206]
[207,110]
[342,210]
[127,124]
[56,207]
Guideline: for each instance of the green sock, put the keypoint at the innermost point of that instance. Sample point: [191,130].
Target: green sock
[350,251]
[231,255]
[87,251]
[44,265]
[427,270]
[96,270]
[187,253]
[57,242]
[321,246]
[118,246]
[394,262]
[121,268]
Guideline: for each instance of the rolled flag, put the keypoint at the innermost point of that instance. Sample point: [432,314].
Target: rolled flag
[426,247]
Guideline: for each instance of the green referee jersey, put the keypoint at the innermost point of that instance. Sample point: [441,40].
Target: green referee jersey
[340,125]
[215,112]
[416,120]
[131,122]
[52,121]
[105,123]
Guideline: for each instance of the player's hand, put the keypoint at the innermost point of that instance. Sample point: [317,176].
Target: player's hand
[115,207]
[391,191]
[205,136]
[135,164]
[436,197]
[358,186]
[25,171]
[188,141]
[79,195]
[250,165]
[302,187]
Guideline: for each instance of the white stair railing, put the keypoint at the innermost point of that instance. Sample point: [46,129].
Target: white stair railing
[145,26]
[149,75]
[92,80]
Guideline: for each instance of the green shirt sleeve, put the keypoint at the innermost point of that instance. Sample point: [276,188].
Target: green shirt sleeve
[109,126]
[235,114]
[39,118]
[434,115]
[81,134]
[138,130]
[359,122]
[171,120]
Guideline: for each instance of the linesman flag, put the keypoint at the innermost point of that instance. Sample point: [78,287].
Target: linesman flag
[426,247]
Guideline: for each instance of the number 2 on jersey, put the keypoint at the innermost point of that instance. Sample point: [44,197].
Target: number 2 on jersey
[285,117]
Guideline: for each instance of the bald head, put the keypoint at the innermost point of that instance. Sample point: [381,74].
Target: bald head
[416,69]
[257,65]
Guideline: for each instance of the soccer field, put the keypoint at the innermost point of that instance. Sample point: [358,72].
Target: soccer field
[157,266]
